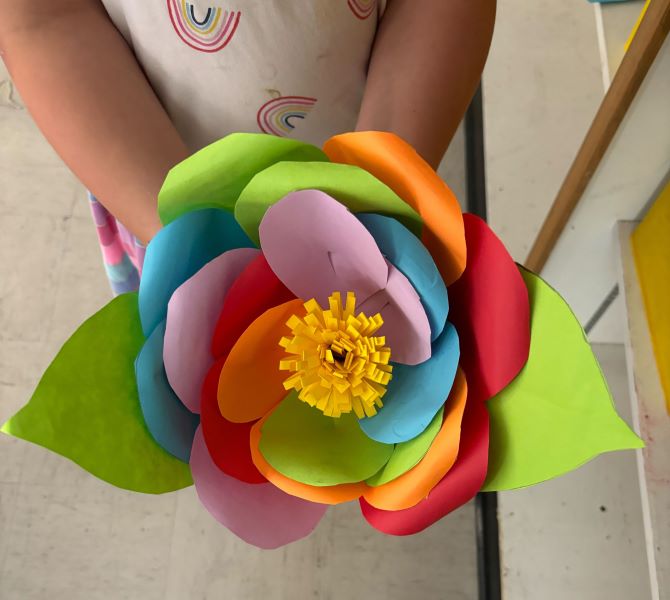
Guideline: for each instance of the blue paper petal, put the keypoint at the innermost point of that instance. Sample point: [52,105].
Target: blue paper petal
[402,248]
[170,423]
[416,393]
[178,251]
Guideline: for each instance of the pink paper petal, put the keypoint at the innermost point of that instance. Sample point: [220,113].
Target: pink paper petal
[260,514]
[316,247]
[192,314]
[406,325]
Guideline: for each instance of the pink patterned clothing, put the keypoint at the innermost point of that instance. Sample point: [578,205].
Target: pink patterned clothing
[292,68]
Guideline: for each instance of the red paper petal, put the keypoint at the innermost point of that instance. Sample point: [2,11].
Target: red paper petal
[228,443]
[458,486]
[256,290]
[489,308]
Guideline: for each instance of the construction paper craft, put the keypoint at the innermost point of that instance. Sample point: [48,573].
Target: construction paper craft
[180,250]
[353,187]
[215,176]
[391,160]
[193,312]
[86,407]
[560,399]
[404,250]
[416,393]
[489,308]
[227,442]
[355,356]
[261,515]
[171,424]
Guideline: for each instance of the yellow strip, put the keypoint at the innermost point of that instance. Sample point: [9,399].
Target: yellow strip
[200,32]
[637,26]
[651,250]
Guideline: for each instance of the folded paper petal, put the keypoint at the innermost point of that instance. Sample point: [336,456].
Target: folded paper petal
[355,188]
[307,446]
[457,487]
[407,454]
[251,383]
[397,164]
[228,443]
[180,250]
[256,290]
[171,424]
[406,325]
[336,494]
[412,487]
[489,308]
[404,250]
[415,393]
[558,413]
[316,247]
[214,176]
[86,407]
[192,315]
[261,515]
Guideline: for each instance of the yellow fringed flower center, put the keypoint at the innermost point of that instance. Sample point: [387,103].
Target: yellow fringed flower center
[338,364]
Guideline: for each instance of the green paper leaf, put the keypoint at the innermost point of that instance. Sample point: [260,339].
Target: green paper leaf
[304,444]
[350,185]
[86,406]
[408,454]
[558,413]
[215,176]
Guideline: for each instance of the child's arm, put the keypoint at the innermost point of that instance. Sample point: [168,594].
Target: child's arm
[91,100]
[426,63]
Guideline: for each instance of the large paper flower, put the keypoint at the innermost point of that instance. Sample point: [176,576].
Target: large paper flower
[318,327]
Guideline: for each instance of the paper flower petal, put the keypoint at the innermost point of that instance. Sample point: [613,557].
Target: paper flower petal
[177,252]
[215,176]
[397,164]
[407,454]
[558,413]
[251,383]
[86,407]
[171,424]
[192,315]
[416,393]
[316,247]
[404,250]
[355,188]
[256,290]
[228,443]
[336,494]
[406,325]
[457,487]
[489,308]
[412,487]
[305,445]
[261,515]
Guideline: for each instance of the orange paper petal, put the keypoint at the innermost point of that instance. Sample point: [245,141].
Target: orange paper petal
[396,163]
[251,383]
[336,494]
[412,487]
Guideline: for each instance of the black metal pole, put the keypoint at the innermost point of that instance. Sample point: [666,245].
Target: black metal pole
[486,504]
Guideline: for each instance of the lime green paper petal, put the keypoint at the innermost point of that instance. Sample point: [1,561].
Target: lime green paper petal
[87,409]
[408,454]
[305,445]
[558,413]
[215,176]
[352,186]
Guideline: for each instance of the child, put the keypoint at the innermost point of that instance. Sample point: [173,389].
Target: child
[125,89]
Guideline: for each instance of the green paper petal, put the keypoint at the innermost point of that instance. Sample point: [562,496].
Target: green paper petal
[305,445]
[558,413]
[408,454]
[350,185]
[215,176]
[86,406]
